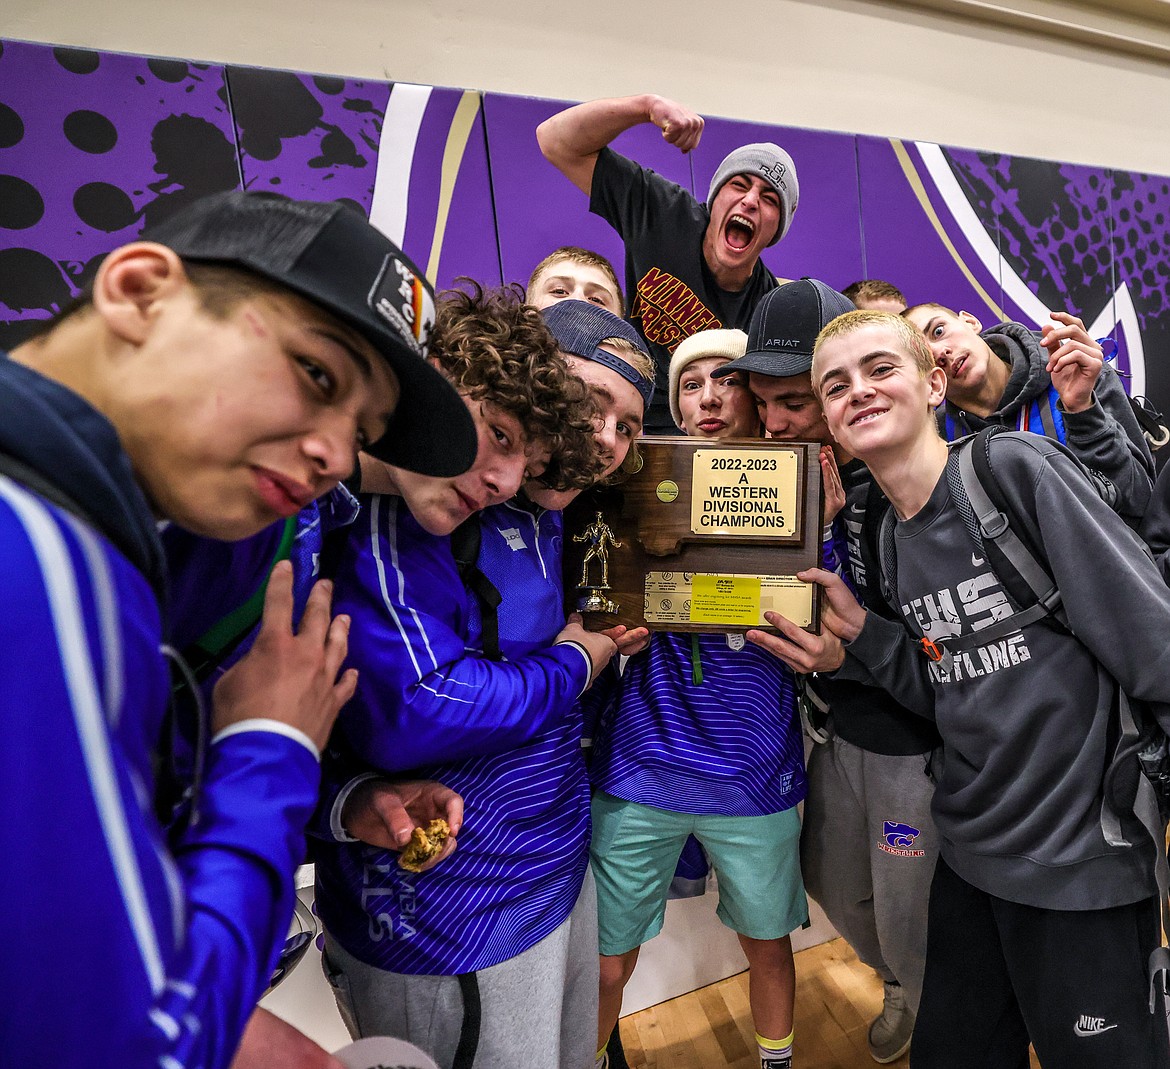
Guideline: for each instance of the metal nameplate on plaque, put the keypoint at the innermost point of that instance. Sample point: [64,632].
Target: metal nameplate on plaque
[745,491]
[724,600]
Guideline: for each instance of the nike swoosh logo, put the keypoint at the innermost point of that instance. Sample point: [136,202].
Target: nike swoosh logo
[1078,1030]
[978,561]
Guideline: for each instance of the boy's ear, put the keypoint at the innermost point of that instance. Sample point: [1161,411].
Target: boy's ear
[131,284]
[936,380]
[971,321]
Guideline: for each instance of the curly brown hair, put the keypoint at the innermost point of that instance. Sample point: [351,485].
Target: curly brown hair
[496,348]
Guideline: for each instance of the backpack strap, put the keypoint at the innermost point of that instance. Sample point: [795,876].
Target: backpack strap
[1003,538]
[465,543]
[877,506]
[1044,411]
[1151,422]
[1000,536]
[887,556]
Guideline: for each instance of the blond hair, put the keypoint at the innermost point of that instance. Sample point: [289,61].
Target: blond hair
[873,289]
[574,254]
[909,335]
[632,355]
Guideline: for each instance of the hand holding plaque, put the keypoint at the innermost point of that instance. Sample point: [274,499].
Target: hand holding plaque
[708,536]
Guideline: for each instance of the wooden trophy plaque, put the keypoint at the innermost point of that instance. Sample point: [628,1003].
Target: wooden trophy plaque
[707,536]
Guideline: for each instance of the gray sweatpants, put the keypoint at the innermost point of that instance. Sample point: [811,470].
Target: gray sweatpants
[537,1010]
[867,852]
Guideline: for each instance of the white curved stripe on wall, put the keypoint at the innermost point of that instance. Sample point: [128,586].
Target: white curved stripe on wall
[1121,312]
[1118,306]
[404,116]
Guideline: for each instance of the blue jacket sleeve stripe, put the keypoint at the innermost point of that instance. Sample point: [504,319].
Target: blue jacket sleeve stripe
[107,611]
[391,605]
[416,635]
[61,587]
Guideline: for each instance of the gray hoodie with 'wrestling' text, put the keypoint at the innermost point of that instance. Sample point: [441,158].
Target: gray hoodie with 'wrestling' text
[1026,718]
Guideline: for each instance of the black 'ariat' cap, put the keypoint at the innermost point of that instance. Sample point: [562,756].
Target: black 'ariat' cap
[784,328]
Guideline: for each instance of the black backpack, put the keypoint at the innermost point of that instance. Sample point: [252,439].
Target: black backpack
[1136,782]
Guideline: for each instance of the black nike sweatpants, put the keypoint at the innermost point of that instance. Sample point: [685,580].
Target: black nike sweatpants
[999,974]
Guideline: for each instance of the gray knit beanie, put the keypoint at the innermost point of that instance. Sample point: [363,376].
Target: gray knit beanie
[774,166]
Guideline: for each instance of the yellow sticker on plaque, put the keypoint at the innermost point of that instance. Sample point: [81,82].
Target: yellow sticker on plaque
[738,490]
[725,599]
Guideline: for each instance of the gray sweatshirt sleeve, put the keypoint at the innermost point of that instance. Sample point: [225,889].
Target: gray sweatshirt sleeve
[884,655]
[1107,438]
[1155,528]
[1117,602]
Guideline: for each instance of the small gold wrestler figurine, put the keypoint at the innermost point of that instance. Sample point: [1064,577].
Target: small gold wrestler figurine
[597,538]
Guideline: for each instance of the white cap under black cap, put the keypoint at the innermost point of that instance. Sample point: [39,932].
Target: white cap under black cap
[784,328]
[331,255]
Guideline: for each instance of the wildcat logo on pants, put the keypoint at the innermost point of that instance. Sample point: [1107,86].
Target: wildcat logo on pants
[899,839]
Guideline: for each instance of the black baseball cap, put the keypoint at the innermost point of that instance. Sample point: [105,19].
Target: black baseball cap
[784,328]
[330,254]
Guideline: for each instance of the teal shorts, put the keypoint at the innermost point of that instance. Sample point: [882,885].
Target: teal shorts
[635,849]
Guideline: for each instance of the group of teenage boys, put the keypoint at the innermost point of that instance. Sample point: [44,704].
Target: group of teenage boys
[172,456]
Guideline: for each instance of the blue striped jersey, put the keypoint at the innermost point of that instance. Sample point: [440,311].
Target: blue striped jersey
[503,734]
[697,726]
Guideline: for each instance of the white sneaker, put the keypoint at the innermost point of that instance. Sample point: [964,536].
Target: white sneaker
[890,1031]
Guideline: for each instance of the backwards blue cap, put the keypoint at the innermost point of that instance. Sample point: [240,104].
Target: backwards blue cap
[580,327]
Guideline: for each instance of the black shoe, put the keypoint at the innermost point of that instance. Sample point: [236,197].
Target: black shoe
[617,1056]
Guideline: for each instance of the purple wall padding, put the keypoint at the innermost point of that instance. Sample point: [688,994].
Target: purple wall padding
[468,244]
[537,208]
[308,136]
[93,146]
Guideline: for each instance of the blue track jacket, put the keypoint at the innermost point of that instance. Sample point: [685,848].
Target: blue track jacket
[504,734]
[120,950]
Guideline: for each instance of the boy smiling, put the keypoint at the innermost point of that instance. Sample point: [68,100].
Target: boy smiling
[1028,896]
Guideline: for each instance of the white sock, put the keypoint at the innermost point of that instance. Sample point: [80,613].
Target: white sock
[775,1053]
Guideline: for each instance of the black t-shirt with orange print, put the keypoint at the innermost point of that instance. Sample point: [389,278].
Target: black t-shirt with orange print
[669,288]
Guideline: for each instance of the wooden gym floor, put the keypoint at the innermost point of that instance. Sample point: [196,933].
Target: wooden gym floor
[836,998]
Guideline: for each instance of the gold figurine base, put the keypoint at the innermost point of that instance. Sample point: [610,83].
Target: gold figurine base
[594,600]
